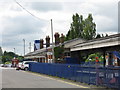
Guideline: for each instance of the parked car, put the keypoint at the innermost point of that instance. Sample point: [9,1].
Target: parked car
[2,65]
[19,65]
[25,65]
[6,65]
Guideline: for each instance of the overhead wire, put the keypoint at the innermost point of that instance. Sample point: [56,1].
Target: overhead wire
[27,10]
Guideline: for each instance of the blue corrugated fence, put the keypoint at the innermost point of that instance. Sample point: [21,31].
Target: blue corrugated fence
[109,77]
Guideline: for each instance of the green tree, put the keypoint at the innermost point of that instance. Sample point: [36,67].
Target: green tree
[1,53]
[89,28]
[20,58]
[76,27]
[67,36]
[8,56]
[80,28]
[72,34]
[59,52]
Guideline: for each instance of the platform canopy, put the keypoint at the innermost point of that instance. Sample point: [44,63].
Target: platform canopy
[113,40]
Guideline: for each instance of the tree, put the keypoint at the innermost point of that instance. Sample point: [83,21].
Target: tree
[80,28]
[89,28]
[8,56]
[67,36]
[72,34]
[76,27]
[59,52]
[1,53]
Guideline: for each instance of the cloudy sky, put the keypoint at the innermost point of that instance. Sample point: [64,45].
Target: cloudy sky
[17,24]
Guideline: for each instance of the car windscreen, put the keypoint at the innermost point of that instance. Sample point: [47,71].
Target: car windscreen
[27,62]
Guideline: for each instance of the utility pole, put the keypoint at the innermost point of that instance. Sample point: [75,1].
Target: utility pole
[24,46]
[52,43]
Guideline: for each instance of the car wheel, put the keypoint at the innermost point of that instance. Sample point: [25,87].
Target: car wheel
[17,69]
[26,69]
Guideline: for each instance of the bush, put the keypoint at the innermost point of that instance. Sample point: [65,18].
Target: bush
[7,62]
[92,57]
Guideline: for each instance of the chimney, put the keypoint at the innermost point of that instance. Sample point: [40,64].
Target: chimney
[57,38]
[47,41]
[41,43]
[62,38]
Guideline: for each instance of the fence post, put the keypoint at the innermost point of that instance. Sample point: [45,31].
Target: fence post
[97,74]
[119,78]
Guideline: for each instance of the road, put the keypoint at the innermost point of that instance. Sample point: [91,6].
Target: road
[12,78]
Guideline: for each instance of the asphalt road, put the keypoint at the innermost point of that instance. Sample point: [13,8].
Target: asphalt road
[21,79]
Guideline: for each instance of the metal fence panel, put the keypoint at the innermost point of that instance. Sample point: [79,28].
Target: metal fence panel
[107,76]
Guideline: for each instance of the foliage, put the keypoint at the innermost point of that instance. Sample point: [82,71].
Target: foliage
[80,28]
[0,59]
[8,62]
[92,57]
[20,58]
[1,53]
[8,56]
[59,52]
[89,28]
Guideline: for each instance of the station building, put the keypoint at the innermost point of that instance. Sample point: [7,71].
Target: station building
[77,48]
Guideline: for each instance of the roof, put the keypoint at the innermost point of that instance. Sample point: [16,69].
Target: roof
[81,44]
[69,41]
[39,51]
[111,40]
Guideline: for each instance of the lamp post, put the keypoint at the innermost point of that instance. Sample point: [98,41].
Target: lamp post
[14,50]
[24,46]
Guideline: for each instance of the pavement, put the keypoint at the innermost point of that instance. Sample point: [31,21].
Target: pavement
[12,78]
[0,78]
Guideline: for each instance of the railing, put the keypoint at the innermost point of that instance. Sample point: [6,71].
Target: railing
[109,77]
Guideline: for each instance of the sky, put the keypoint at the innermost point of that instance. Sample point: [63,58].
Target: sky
[17,24]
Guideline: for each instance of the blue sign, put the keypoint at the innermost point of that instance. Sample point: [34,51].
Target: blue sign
[36,45]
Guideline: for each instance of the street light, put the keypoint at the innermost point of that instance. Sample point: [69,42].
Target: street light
[24,46]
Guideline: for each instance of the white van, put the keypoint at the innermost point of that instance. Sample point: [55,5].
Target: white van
[19,66]
[25,65]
